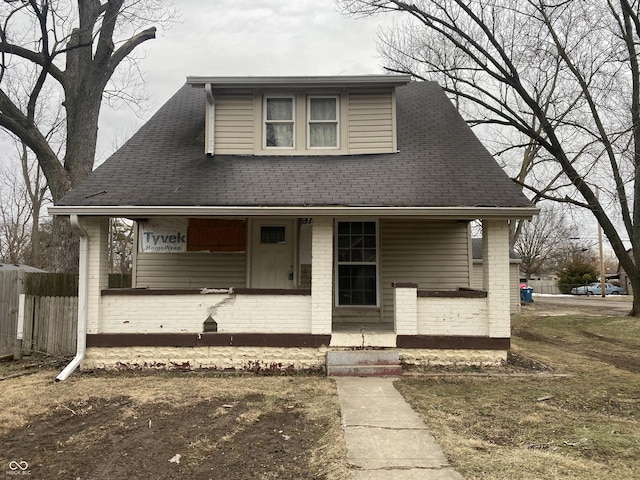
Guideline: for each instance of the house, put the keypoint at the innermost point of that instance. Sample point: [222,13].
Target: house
[514,274]
[279,218]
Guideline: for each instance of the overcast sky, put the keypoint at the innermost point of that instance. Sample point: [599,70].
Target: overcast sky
[247,37]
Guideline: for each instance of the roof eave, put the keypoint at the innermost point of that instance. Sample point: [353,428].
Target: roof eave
[337,80]
[457,213]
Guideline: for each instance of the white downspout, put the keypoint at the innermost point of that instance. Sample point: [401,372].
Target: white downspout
[210,121]
[82,300]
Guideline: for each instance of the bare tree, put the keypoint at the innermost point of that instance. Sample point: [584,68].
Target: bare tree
[15,219]
[120,245]
[36,190]
[76,46]
[544,243]
[562,77]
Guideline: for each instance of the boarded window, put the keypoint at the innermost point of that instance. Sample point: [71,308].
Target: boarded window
[216,235]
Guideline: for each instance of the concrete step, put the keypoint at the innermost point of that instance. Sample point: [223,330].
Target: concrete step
[363,363]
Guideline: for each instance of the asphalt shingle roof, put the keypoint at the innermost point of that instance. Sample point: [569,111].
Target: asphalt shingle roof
[441,163]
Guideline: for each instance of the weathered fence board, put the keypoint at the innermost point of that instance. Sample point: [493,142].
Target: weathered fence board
[10,289]
[50,324]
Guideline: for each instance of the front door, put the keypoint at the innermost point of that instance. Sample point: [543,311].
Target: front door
[272,254]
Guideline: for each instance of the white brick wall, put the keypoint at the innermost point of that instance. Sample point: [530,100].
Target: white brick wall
[186,313]
[495,255]
[452,316]
[321,275]
[98,266]
[405,309]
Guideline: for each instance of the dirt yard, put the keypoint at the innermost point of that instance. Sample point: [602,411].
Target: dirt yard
[168,426]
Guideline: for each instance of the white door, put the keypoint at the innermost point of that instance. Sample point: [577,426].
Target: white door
[272,254]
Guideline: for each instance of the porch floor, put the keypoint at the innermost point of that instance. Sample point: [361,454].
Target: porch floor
[363,335]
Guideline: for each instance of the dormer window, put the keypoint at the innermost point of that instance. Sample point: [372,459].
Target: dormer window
[300,116]
[279,122]
[323,122]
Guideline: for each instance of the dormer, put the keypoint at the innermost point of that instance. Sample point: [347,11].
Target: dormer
[337,115]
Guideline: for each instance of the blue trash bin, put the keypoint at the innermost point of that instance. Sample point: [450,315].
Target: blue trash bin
[526,295]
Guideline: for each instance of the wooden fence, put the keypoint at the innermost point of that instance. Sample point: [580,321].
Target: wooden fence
[50,310]
[50,325]
[11,282]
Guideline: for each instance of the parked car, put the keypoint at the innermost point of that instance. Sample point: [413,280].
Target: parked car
[596,289]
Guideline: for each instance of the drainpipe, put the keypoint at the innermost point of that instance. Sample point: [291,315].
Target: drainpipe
[82,300]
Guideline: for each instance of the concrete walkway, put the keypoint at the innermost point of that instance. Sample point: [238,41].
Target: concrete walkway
[385,438]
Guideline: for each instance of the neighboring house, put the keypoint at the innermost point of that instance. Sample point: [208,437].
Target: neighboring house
[282,217]
[514,274]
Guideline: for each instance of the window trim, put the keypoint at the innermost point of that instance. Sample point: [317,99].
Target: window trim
[337,262]
[265,99]
[335,122]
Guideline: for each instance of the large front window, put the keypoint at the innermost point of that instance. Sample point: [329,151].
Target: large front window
[357,264]
[279,123]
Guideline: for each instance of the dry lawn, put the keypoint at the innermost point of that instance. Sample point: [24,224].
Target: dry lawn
[582,426]
[132,425]
[581,423]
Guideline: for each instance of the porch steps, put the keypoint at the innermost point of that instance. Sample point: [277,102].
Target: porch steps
[363,363]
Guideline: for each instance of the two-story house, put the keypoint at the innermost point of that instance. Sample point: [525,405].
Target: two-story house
[279,218]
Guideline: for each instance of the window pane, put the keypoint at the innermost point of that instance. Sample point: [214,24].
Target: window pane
[344,228]
[357,284]
[272,235]
[322,109]
[323,135]
[279,135]
[279,109]
[369,255]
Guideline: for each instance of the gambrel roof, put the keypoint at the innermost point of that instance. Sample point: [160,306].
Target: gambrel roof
[440,163]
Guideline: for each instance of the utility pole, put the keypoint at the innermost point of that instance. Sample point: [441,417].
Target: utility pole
[603,280]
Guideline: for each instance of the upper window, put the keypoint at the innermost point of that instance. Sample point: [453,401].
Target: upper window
[322,115]
[279,122]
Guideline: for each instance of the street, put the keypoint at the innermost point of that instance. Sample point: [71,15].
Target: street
[567,304]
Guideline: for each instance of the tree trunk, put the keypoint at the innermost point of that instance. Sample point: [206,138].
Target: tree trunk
[66,248]
[35,235]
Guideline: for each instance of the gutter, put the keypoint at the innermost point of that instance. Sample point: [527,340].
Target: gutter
[453,213]
[308,81]
[83,293]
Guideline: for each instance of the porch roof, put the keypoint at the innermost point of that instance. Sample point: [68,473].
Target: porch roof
[441,167]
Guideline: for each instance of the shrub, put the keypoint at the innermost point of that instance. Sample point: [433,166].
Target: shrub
[576,272]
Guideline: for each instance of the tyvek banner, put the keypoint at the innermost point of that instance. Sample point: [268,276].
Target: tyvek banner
[163,235]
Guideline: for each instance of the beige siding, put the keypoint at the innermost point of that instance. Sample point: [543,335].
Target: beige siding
[433,254]
[234,124]
[191,270]
[371,123]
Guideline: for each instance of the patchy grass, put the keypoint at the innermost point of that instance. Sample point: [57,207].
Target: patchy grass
[131,425]
[585,425]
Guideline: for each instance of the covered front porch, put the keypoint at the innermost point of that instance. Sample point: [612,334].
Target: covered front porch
[176,323]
